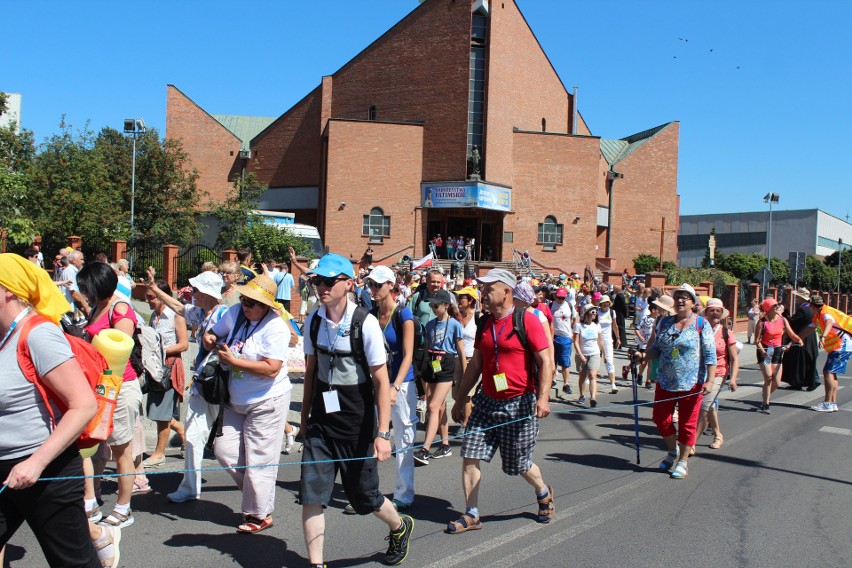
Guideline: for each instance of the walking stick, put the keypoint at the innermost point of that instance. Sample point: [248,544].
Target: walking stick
[634,374]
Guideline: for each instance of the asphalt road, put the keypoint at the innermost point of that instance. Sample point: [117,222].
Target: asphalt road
[777,494]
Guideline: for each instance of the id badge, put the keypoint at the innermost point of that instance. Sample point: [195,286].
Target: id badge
[500,383]
[675,353]
[436,365]
[330,401]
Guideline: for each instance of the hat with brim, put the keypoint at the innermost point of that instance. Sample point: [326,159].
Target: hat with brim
[208,283]
[716,303]
[665,303]
[561,293]
[768,304]
[381,274]
[261,288]
[605,300]
[803,293]
[500,275]
[817,300]
[688,289]
[588,308]
[469,291]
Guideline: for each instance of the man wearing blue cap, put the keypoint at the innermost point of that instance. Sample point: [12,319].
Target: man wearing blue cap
[341,410]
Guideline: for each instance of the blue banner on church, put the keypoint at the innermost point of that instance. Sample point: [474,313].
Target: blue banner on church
[474,195]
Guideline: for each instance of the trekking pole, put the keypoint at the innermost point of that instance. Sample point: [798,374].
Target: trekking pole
[634,374]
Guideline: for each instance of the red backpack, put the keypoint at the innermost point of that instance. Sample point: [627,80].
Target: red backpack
[90,360]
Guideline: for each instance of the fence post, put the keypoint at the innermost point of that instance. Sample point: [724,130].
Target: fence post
[75,242]
[229,255]
[118,250]
[753,292]
[709,286]
[170,253]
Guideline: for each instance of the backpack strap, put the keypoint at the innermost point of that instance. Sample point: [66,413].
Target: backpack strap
[25,361]
[519,327]
[480,325]
[725,337]
[356,338]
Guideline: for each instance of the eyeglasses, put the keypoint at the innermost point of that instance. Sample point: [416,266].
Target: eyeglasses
[683,297]
[150,297]
[375,285]
[249,302]
[327,281]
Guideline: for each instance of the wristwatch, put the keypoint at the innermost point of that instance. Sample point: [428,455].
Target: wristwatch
[383,435]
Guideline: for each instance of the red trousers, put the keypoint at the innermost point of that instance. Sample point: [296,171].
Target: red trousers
[689,409]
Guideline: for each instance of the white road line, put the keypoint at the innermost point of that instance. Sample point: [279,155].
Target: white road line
[833,430]
[847,407]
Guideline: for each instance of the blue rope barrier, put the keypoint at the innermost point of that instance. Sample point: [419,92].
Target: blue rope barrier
[408,449]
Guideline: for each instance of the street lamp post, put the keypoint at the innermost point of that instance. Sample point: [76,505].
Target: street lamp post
[769,198]
[839,259]
[134,127]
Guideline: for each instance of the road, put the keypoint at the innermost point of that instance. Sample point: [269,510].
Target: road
[777,494]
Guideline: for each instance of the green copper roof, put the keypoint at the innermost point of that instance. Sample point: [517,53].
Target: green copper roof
[616,150]
[244,127]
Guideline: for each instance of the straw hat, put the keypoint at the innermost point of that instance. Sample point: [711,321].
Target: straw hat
[665,303]
[803,293]
[261,288]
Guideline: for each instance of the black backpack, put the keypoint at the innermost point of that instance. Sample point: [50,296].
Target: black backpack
[518,328]
[356,338]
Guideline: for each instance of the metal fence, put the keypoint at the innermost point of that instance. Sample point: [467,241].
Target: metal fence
[190,260]
[142,255]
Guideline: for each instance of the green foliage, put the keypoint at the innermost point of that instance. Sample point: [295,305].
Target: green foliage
[237,212]
[694,276]
[16,152]
[3,102]
[268,241]
[645,263]
[819,275]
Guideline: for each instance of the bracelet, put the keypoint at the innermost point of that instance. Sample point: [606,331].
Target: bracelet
[396,387]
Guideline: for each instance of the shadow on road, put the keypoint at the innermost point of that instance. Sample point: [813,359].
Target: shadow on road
[256,550]
[600,461]
[756,464]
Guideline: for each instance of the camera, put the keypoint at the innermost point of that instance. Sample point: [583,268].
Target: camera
[208,371]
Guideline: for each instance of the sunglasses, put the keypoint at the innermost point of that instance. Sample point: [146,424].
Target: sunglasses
[248,302]
[326,281]
[375,285]
[150,297]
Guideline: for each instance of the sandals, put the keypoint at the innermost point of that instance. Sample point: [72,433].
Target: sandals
[140,487]
[108,556]
[717,442]
[546,507]
[668,461]
[118,520]
[463,524]
[680,471]
[254,524]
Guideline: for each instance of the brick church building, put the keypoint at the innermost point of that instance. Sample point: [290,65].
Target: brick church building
[453,122]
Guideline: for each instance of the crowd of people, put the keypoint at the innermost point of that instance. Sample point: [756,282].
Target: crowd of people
[376,345]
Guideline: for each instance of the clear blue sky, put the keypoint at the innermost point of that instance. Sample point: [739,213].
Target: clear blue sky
[766,110]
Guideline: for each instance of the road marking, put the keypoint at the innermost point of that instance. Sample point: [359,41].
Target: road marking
[847,407]
[833,430]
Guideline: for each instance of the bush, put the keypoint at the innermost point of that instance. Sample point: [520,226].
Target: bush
[645,263]
[267,241]
[694,276]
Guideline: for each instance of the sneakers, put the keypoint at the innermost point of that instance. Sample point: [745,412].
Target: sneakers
[764,409]
[398,542]
[825,407]
[613,390]
[180,496]
[442,452]
[567,389]
[582,399]
[422,456]
[593,403]
[94,515]
[291,440]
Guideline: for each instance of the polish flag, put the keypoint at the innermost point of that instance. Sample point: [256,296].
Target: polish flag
[425,262]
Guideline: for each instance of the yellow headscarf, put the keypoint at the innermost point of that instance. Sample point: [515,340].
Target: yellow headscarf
[32,284]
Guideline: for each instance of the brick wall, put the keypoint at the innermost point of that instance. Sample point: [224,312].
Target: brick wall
[417,71]
[553,174]
[646,193]
[522,89]
[214,150]
[372,164]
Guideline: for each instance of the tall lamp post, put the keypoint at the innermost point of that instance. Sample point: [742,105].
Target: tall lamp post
[839,259]
[133,127]
[769,198]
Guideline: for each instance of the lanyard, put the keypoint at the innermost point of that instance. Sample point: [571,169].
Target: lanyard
[12,327]
[496,335]
[390,319]
[331,345]
[435,344]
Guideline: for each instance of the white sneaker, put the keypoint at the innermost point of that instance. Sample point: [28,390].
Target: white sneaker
[824,407]
[180,496]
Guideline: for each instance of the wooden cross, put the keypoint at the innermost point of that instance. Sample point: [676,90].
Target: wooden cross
[663,232]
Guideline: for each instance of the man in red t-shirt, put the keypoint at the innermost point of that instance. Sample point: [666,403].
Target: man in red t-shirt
[514,397]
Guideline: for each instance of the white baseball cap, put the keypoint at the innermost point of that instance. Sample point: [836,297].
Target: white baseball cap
[381,274]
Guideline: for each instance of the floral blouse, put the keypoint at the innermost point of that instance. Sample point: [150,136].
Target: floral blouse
[684,354]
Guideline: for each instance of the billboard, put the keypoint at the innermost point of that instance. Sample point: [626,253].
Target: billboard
[473,195]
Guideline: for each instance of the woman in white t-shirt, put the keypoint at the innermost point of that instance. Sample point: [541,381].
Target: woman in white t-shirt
[588,340]
[253,340]
[606,318]
[468,314]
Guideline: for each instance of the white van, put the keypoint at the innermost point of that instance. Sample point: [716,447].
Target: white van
[284,220]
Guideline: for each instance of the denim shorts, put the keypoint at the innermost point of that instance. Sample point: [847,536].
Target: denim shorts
[771,356]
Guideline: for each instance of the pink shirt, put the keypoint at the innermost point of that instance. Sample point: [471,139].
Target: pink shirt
[722,351]
[101,324]
[772,331]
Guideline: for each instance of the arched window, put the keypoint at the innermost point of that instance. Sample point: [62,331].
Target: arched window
[549,233]
[376,225]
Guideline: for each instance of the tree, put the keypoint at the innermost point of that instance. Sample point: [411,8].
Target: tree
[237,212]
[17,151]
[268,241]
[166,190]
[645,263]
[818,275]
[845,269]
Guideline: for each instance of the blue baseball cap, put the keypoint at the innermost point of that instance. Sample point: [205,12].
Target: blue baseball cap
[332,265]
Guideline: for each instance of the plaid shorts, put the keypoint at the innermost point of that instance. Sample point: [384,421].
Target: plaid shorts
[515,438]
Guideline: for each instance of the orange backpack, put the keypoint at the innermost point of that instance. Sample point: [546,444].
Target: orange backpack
[91,362]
